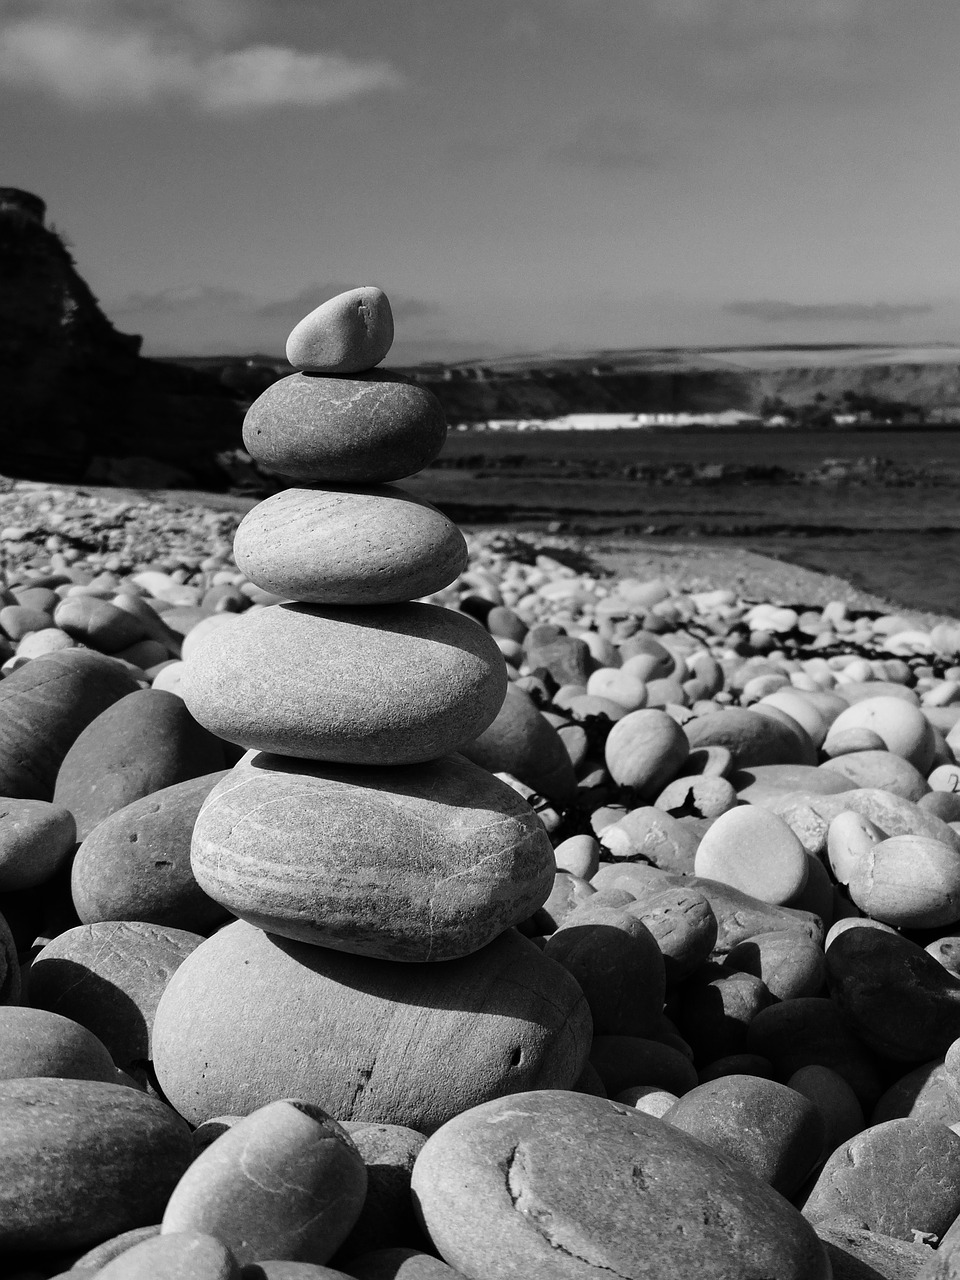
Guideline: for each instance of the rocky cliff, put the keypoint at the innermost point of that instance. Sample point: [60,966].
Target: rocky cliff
[77,400]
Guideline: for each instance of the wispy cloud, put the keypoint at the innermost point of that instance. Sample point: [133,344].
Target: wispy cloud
[776,312]
[108,60]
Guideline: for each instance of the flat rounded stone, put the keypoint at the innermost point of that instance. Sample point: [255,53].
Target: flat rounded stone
[772,1130]
[423,862]
[751,737]
[903,727]
[361,429]
[44,707]
[572,1186]
[91,1263]
[409,1044]
[139,745]
[788,963]
[98,623]
[189,1255]
[883,769]
[645,750]
[910,882]
[567,658]
[35,1042]
[756,852]
[378,545]
[619,686]
[109,978]
[895,997]
[345,334]
[135,864]
[895,1178]
[83,1160]
[389,684]
[36,838]
[284,1181]
[579,856]
[814,712]
[16,621]
[522,741]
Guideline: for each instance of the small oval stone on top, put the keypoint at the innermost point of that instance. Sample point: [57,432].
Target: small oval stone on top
[345,334]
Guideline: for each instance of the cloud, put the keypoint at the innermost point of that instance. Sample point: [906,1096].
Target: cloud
[605,143]
[97,64]
[774,312]
[212,320]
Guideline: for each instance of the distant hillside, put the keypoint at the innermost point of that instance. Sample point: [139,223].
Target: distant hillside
[79,401]
[756,380]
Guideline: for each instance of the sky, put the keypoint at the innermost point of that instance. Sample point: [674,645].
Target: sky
[517,175]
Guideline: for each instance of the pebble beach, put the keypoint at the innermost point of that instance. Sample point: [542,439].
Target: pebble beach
[384,900]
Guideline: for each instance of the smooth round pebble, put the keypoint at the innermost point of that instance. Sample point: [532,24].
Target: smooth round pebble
[751,737]
[36,838]
[390,684]
[522,741]
[573,1186]
[43,709]
[896,1178]
[353,546]
[645,750]
[425,862]
[82,1160]
[98,623]
[579,856]
[135,864]
[774,1131]
[35,1042]
[188,1255]
[756,852]
[403,1043]
[141,744]
[362,429]
[109,977]
[285,1181]
[346,334]
[903,727]
[884,769]
[893,996]
[909,882]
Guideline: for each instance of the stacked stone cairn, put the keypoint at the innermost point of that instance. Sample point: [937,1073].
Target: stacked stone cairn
[375,873]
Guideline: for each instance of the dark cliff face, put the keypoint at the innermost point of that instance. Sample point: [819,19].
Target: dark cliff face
[77,400]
